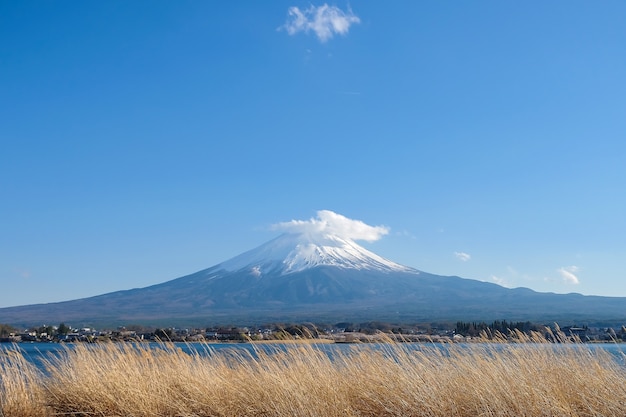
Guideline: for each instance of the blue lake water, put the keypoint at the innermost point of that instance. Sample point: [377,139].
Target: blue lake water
[37,352]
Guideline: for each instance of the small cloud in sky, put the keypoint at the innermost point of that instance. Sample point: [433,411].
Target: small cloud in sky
[462,256]
[330,223]
[325,21]
[406,233]
[568,274]
[500,281]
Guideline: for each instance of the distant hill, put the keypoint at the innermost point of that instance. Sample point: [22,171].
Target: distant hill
[298,277]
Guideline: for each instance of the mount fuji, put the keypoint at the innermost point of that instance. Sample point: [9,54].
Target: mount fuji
[317,276]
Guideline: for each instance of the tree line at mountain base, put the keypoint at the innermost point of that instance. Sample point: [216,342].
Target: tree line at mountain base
[338,332]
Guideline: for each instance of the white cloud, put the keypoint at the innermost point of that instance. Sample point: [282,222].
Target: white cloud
[331,223]
[462,256]
[325,21]
[500,281]
[406,233]
[568,274]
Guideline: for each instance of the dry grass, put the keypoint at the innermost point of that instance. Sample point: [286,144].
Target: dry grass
[301,380]
[21,393]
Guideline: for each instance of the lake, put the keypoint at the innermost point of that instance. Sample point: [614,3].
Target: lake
[36,352]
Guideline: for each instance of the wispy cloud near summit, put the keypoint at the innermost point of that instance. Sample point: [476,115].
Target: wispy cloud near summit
[331,223]
[325,21]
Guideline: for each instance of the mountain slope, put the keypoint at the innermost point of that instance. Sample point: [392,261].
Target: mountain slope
[298,277]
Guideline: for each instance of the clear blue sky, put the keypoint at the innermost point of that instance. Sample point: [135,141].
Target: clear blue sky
[143,141]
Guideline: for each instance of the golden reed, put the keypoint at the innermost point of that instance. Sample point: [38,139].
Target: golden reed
[390,379]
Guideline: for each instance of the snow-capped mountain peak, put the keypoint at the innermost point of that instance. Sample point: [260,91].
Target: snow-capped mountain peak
[293,252]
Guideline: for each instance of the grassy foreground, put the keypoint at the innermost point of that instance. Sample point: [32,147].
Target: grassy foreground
[382,380]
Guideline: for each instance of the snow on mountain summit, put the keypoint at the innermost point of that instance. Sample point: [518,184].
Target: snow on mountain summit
[293,252]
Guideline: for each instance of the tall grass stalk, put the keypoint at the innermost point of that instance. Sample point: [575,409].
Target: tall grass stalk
[392,379]
[21,388]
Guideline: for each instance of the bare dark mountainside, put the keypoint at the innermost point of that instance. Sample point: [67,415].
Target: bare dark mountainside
[317,278]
